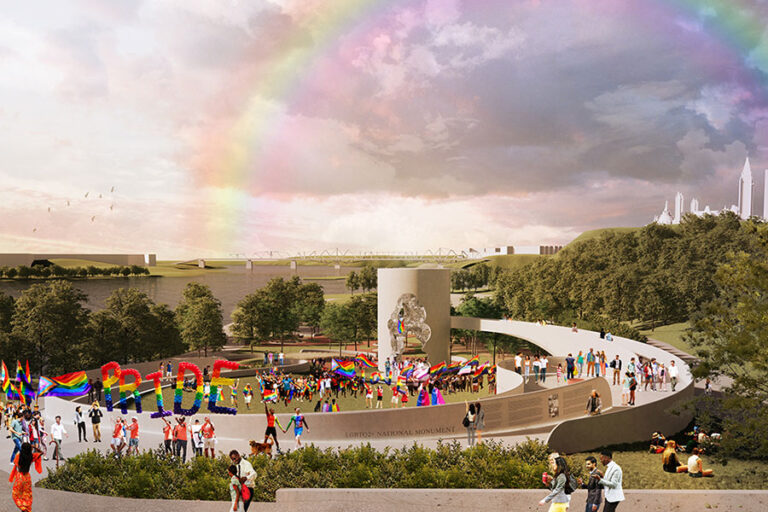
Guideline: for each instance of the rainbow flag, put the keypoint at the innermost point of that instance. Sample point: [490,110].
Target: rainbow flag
[363,361]
[269,396]
[344,368]
[401,326]
[482,370]
[402,386]
[6,381]
[453,367]
[473,361]
[407,370]
[437,369]
[16,393]
[70,384]
[335,408]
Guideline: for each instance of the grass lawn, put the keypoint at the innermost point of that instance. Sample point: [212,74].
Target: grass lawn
[345,403]
[642,470]
[672,334]
[595,233]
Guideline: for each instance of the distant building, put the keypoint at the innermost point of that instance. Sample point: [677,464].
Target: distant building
[504,250]
[743,208]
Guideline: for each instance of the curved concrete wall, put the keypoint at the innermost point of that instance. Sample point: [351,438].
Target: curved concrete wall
[432,288]
[560,341]
[508,381]
[502,414]
[625,425]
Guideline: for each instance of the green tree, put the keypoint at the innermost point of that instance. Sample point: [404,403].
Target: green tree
[49,325]
[6,312]
[368,278]
[731,341]
[311,302]
[353,282]
[337,324]
[200,319]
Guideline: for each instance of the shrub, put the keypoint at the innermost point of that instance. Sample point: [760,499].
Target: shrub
[154,474]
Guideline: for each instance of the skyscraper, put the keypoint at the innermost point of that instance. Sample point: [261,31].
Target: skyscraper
[745,191]
[679,208]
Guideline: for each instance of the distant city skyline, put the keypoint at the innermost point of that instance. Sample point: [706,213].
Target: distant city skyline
[207,128]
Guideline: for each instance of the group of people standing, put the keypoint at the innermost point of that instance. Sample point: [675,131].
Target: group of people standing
[536,365]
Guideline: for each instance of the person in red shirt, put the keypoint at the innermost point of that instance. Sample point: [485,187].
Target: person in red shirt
[133,442]
[118,438]
[209,437]
[271,430]
[180,434]
[168,436]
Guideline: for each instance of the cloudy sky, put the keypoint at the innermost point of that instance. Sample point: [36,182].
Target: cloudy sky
[207,128]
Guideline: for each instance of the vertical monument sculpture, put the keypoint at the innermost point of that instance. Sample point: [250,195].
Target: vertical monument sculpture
[414,306]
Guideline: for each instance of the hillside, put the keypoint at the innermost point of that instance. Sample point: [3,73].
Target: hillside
[595,233]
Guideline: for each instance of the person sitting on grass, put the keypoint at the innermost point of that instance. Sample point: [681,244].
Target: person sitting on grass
[669,460]
[696,466]
[657,442]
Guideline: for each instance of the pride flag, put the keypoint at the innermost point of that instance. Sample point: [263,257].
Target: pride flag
[482,370]
[6,381]
[344,368]
[402,386]
[407,370]
[269,396]
[437,369]
[362,360]
[70,384]
[473,361]
[453,367]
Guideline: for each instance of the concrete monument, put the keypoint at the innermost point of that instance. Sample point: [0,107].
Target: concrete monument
[414,306]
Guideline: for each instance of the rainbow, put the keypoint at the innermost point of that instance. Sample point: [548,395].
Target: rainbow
[242,155]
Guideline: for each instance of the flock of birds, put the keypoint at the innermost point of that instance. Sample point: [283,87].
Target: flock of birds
[87,194]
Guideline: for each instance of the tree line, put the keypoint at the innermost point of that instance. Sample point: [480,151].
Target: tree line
[49,326]
[657,274]
[57,271]
[475,277]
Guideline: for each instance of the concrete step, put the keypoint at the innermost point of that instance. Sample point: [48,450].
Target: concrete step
[685,356]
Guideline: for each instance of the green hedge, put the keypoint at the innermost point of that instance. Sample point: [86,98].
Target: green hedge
[154,475]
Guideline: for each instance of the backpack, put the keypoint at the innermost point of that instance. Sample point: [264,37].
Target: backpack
[465,421]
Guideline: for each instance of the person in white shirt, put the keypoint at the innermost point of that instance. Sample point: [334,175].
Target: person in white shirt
[519,363]
[245,474]
[543,362]
[57,433]
[673,372]
[614,494]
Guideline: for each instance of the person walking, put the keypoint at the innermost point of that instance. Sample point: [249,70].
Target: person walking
[197,437]
[209,437]
[98,386]
[16,431]
[245,475]
[95,414]
[570,363]
[625,383]
[559,495]
[80,425]
[469,423]
[22,482]
[57,433]
[271,430]
[673,371]
[118,438]
[594,491]
[299,423]
[580,364]
[614,493]
[235,488]
[543,362]
[91,391]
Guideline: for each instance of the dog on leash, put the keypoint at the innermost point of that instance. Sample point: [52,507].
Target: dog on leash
[258,448]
